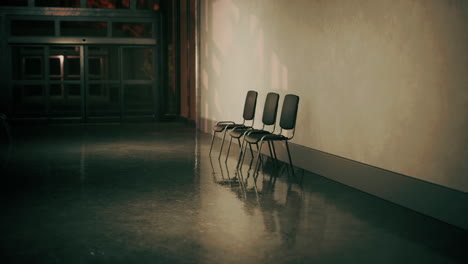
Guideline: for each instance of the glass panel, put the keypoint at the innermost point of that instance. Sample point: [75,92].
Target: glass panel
[138,99]
[32,67]
[79,28]
[103,100]
[58,3]
[103,63]
[27,63]
[65,100]
[13,2]
[32,28]
[74,90]
[64,63]
[56,67]
[132,30]
[33,91]
[148,4]
[28,100]
[73,67]
[108,4]
[56,90]
[138,64]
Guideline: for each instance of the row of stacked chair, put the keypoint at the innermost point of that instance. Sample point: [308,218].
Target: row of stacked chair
[257,137]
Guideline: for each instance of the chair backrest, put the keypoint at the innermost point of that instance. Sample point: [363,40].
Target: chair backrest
[289,112]
[270,109]
[250,105]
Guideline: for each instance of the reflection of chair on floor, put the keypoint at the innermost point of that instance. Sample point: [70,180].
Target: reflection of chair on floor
[268,119]
[248,115]
[287,125]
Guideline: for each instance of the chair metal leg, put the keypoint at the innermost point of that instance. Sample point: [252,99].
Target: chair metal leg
[229,149]
[256,144]
[269,148]
[222,143]
[240,154]
[257,165]
[238,141]
[289,156]
[251,153]
[274,152]
[212,140]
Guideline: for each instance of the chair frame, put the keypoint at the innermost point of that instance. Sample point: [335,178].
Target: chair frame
[229,125]
[271,137]
[265,122]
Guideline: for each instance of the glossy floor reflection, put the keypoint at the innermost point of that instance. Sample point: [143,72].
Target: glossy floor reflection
[149,193]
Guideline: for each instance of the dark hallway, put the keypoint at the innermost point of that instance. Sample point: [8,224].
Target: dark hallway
[148,193]
[107,109]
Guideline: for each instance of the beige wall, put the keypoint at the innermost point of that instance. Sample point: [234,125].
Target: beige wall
[381,82]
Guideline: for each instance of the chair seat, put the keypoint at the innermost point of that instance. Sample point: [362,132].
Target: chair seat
[256,137]
[239,132]
[219,128]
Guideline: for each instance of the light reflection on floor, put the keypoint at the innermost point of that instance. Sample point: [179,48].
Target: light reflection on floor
[149,193]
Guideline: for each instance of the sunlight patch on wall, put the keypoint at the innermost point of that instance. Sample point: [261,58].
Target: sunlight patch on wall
[223,23]
[217,102]
[215,64]
[204,80]
[275,71]
[284,78]
[259,52]
[253,24]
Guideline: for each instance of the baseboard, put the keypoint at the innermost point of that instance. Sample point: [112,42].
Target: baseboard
[442,203]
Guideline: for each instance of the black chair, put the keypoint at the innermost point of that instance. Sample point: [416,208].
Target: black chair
[287,123]
[268,119]
[248,115]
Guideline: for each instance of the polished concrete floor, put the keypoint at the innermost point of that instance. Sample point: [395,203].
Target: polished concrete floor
[149,193]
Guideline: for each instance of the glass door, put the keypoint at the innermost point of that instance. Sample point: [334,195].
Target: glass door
[103,93]
[138,80]
[120,82]
[28,82]
[65,82]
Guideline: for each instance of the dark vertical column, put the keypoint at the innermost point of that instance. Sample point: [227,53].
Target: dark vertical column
[192,59]
[166,59]
[5,88]
[83,81]
[188,52]
[176,53]
[46,81]
[184,93]
[187,59]
[121,85]
[197,61]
